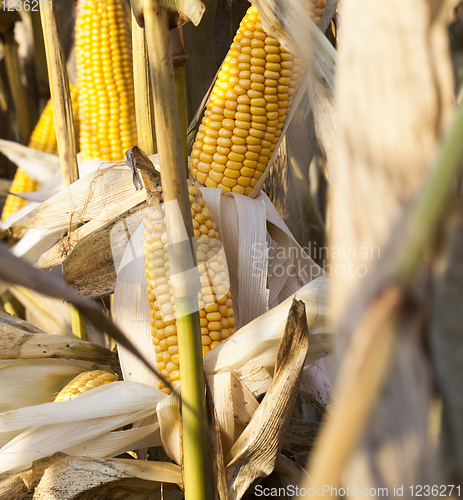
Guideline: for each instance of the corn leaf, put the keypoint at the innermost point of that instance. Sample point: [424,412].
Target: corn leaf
[38,165]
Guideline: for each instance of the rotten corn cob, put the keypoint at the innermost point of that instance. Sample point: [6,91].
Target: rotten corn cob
[247,109]
[104,69]
[43,138]
[215,304]
[84,382]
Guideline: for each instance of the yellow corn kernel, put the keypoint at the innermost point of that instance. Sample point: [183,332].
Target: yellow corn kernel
[84,382]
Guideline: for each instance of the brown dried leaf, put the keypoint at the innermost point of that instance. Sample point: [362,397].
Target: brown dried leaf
[91,266]
[255,452]
[25,345]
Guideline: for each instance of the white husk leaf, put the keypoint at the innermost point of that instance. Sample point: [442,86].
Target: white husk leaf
[221,391]
[117,442]
[152,471]
[70,424]
[131,312]
[5,224]
[35,381]
[259,340]
[105,401]
[34,243]
[37,442]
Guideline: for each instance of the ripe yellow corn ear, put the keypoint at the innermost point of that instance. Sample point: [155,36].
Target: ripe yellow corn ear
[43,138]
[215,304]
[246,111]
[105,75]
[84,382]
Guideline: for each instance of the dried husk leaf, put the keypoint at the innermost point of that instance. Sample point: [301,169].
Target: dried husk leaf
[91,267]
[35,242]
[17,271]
[38,165]
[9,323]
[168,412]
[117,442]
[99,196]
[255,452]
[26,382]
[258,341]
[220,386]
[27,345]
[216,453]
[262,283]
[87,478]
[244,402]
[256,378]
[58,426]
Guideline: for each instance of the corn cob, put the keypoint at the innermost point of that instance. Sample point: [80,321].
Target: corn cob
[43,138]
[215,304]
[247,109]
[316,10]
[84,382]
[104,69]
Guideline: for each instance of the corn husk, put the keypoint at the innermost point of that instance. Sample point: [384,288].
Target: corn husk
[60,426]
[117,442]
[105,478]
[26,382]
[100,195]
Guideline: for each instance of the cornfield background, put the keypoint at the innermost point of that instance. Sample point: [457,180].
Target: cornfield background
[343,372]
